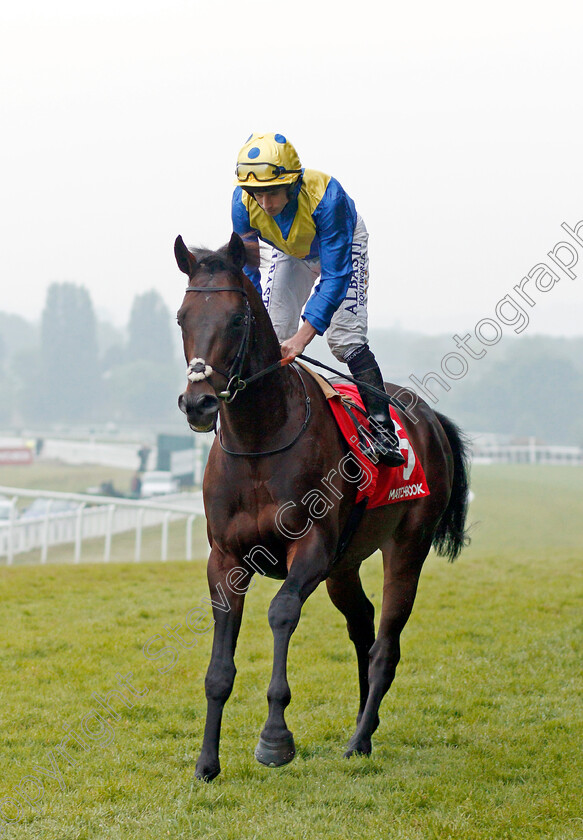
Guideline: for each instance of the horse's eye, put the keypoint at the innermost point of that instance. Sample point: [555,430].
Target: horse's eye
[237,320]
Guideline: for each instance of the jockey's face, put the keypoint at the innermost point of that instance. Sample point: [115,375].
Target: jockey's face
[272,200]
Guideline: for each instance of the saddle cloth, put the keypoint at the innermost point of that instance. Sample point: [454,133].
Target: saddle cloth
[380,484]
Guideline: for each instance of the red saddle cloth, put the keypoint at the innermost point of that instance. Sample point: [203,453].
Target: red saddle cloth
[380,484]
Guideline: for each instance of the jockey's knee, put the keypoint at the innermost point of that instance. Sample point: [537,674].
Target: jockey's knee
[341,351]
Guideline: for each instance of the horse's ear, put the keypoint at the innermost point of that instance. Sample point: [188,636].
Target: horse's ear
[236,251]
[185,259]
[252,252]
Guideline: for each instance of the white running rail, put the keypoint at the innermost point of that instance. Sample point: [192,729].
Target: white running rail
[94,516]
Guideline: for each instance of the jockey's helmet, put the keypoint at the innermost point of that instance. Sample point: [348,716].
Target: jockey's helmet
[267,160]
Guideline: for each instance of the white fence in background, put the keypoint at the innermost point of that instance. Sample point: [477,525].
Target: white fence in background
[530,453]
[94,516]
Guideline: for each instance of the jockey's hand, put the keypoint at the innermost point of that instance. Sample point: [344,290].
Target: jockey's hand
[297,343]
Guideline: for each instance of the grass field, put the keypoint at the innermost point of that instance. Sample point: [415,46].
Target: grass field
[480,736]
[66,478]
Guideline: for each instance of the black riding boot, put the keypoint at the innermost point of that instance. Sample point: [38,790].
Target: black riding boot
[385,441]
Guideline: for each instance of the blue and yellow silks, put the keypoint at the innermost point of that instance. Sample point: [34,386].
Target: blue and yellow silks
[317,223]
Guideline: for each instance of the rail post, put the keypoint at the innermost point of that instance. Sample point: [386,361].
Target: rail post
[108,530]
[12,522]
[164,549]
[139,524]
[45,539]
[79,532]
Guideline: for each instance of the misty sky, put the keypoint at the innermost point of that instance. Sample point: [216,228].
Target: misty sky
[456,127]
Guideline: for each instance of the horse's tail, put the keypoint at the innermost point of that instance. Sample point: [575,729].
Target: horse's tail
[450,536]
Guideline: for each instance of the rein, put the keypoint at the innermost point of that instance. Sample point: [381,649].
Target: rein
[370,388]
[286,445]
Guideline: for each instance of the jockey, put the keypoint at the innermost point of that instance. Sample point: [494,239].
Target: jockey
[315,232]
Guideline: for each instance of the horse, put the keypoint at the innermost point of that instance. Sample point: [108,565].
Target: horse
[277,448]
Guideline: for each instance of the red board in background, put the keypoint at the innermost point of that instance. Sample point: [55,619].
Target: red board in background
[16,455]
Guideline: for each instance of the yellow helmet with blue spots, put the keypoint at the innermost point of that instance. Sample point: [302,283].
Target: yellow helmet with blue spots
[267,160]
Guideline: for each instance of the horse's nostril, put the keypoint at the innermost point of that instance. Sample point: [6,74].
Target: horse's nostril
[197,405]
[206,403]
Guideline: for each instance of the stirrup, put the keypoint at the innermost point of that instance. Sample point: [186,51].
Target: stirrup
[386,444]
[366,445]
[374,447]
[389,457]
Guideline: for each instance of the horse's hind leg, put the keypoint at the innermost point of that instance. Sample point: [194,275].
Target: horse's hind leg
[346,593]
[402,567]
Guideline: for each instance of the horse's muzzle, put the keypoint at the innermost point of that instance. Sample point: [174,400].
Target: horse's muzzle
[201,410]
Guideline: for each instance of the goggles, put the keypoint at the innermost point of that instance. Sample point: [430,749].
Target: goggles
[262,171]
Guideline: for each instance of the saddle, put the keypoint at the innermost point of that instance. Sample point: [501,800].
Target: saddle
[381,485]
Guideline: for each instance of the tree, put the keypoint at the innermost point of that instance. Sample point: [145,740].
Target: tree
[144,392]
[6,389]
[70,384]
[528,393]
[17,333]
[149,337]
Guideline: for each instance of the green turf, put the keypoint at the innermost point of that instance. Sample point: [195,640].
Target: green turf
[480,735]
[66,478]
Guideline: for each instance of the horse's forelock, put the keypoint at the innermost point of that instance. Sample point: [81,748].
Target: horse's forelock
[211,262]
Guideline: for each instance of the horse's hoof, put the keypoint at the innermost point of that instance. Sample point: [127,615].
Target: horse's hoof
[207,771]
[275,753]
[358,749]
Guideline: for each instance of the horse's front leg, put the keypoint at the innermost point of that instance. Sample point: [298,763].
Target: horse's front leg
[220,676]
[309,559]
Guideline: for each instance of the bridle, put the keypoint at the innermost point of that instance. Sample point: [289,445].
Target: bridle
[198,370]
